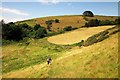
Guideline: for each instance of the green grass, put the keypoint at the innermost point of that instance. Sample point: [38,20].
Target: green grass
[99,60]
[17,56]
[96,61]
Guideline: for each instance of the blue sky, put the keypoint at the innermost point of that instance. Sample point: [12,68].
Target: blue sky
[15,11]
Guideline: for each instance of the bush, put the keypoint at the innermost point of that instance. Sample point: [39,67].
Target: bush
[81,43]
[5,42]
[36,27]
[26,29]
[90,40]
[117,21]
[57,21]
[92,22]
[40,33]
[106,22]
[68,28]
[11,31]
[101,38]
[103,33]
[49,24]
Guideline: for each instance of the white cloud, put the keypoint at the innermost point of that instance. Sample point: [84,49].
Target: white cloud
[12,19]
[13,11]
[12,15]
[49,1]
[55,1]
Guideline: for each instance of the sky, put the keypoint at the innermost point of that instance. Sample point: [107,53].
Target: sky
[17,11]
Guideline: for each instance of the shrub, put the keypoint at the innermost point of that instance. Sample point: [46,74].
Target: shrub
[36,27]
[57,21]
[103,33]
[90,40]
[26,29]
[92,22]
[68,28]
[49,24]
[81,43]
[117,21]
[101,38]
[40,33]
[106,22]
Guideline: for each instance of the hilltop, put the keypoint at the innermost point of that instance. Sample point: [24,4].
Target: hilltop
[76,21]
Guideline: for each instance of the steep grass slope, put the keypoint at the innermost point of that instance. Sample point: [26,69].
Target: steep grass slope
[99,60]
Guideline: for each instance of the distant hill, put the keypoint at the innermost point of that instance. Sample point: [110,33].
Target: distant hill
[66,20]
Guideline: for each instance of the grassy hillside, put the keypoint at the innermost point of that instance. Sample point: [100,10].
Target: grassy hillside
[69,20]
[20,55]
[99,60]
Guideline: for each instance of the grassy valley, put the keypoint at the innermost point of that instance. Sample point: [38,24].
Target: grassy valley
[76,50]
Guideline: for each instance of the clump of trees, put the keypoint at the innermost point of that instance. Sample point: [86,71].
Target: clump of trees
[50,22]
[39,31]
[92,22]
[17,32]
[96,22]
[11,31]
[88,14]
[117,21]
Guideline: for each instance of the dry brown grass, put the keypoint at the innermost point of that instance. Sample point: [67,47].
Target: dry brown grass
[76,35]
[70,20]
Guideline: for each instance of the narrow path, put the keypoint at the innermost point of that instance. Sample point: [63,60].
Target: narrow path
[22,73]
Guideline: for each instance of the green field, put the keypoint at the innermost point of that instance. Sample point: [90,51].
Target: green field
[69,59]
[29,61]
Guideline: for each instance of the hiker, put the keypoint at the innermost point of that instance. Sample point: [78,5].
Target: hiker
[49,60]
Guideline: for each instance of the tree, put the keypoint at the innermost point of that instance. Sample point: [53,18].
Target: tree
[117,21]
[40,33]
[37,26]
[57,21]
[26,29]
[88,14]
[49,24]
[11,31]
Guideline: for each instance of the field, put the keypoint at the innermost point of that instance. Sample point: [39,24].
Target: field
[67,20]
[76,35]
[98,60]
[69,60]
